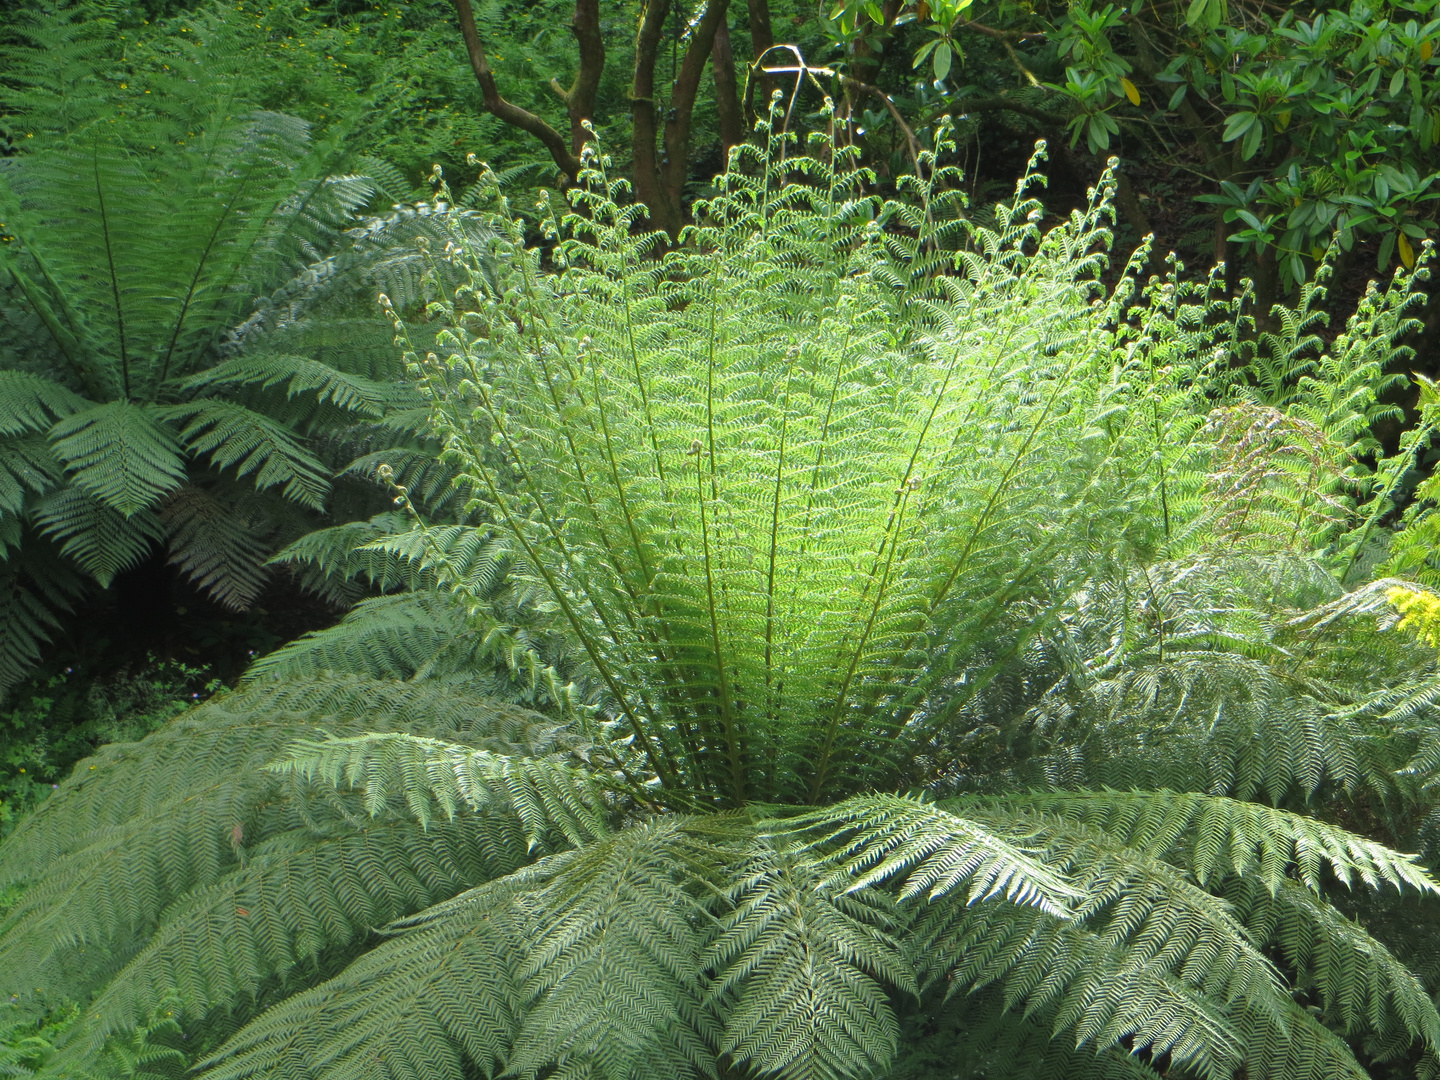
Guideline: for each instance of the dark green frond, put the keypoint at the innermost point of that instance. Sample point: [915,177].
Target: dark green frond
[121,454]
[428,773]
[30,403]
[100,539]
[417,1007]
[32,599]
[232,436]
[28,467]
[302,375]
[215,547]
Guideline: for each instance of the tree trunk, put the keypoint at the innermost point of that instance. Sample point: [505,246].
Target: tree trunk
[762,38]
[660,179]
[727,93]
[580,98]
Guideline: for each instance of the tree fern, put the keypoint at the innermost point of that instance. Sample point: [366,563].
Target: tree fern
[137,371]
[819,504]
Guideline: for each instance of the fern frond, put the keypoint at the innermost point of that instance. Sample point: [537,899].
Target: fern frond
[429,773]
[31,403]
[294,896]
[801,971]
[1081,985]
[928,851]
[216,548]
[383,637]
[28,467]
[31,604]
[232,436]
[300,375]
[1362,987]
[328,561]
[419,1006]
[613,966]
[1216,837]
[100,539]
[121,454]
[197,793]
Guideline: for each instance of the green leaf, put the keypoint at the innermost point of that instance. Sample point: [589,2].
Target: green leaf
[941,60]
[1238,124]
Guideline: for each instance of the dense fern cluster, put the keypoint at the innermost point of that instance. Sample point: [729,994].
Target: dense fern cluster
[836,498]
[190,350]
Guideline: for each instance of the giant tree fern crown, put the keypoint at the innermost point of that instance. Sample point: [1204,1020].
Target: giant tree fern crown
[782,490]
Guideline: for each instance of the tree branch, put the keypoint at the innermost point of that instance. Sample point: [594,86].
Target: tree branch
[496,105]
[999,35]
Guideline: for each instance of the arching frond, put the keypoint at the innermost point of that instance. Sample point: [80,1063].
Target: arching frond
[417,1007]
[215,547]
[383,637]
[232,436]
[31,403]
[803,968]
[100,539]
[119,453]
[1215,838]
[428,773]
[302,375]
[929,852]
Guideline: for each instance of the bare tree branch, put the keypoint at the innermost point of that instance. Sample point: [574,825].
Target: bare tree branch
[510,113]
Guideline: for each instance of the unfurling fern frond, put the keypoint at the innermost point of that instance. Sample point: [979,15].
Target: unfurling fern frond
[826,499]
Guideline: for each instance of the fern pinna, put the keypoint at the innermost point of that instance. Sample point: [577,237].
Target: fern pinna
[844,542]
